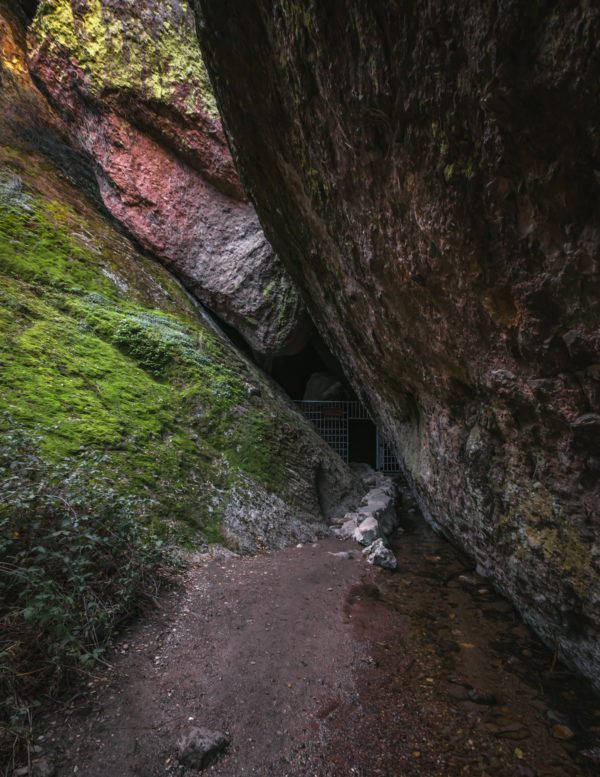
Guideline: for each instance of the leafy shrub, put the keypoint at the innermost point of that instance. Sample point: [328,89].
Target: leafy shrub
[74,563]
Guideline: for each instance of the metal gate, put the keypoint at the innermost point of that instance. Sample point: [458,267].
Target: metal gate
[332,421]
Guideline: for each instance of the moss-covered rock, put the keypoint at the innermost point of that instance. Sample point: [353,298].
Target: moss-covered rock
[129,81]
[102,350]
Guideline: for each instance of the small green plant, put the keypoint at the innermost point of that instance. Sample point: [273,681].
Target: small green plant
[75,562]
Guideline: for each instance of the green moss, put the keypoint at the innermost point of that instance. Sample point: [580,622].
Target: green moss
[158,60]
[298,15]
[455,162]
[448,172]
[93,360]
[258,454]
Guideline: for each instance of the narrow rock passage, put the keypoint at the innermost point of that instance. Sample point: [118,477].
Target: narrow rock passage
[319,665]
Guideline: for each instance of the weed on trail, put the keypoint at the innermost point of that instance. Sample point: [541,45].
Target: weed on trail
[76,562]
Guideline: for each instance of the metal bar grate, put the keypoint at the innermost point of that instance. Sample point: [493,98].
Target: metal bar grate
[331,419]
[331,422]
[386,459]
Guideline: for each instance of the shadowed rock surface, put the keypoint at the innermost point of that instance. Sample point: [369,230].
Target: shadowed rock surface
[129,81]
[428,174]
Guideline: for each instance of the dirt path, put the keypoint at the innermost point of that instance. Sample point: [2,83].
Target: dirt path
[318,665]
[255,646]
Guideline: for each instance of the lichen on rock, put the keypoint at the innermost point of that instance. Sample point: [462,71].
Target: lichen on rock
[130,83]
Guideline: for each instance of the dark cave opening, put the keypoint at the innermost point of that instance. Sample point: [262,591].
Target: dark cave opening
[314,379]
[362,442]
[293,372]
[313,373]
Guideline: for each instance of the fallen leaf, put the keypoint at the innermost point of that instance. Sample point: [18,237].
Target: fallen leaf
[466,644]
[562,732]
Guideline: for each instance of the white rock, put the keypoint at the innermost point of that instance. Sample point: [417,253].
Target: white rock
[199,746]
[346,530]
[380,556]
[381,504]
[367,531]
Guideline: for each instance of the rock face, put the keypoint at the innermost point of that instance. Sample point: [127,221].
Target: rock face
[129,81]
[103,350]
[429,174]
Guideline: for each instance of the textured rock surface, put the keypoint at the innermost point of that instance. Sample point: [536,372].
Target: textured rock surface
[129,81]
[199,746]
[367,530]
[379,555]
[429,174]
[102,350]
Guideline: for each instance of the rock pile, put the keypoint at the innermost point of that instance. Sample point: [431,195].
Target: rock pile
[375,520]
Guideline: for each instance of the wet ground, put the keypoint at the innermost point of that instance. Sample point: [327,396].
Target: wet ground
[456,684]
[320,666]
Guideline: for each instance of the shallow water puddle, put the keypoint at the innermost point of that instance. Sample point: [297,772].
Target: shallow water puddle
[456,684]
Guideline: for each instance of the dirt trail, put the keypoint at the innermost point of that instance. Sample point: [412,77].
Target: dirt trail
[255,646]
[318,665]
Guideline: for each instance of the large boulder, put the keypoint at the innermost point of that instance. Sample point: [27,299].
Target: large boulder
[429,174]
[129,81]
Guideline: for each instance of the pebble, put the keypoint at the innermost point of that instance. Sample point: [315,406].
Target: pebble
[458,692]
[482,697]
[592,754]
[41,768]
[516,734]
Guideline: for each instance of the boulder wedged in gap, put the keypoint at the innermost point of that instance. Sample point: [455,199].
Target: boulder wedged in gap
[129,82]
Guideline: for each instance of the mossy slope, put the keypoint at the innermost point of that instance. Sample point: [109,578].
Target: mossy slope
[101,350]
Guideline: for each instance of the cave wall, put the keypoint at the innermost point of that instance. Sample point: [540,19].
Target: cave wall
[429,174]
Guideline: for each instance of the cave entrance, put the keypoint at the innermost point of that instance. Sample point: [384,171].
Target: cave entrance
[314,379]
[347,428]
[362,442]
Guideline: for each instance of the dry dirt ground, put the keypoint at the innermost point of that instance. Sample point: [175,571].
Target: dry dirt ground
[319,666]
